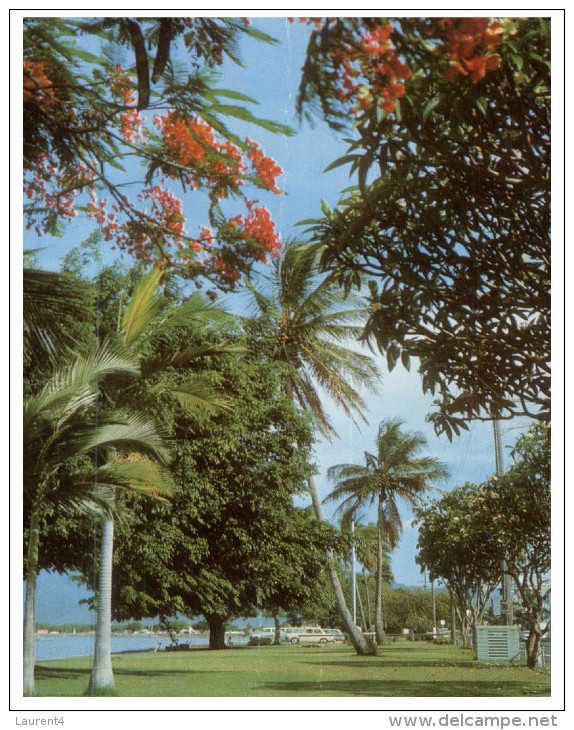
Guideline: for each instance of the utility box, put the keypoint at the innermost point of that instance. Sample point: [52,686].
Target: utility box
[497,643]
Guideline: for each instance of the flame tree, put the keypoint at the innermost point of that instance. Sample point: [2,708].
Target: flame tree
[123,122]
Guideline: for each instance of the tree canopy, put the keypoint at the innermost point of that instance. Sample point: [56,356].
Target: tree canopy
[96,121]
[447,229]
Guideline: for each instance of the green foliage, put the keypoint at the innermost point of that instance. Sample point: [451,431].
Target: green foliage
[58,319]
[448,225]
[464,536]
[411,608]
[393,474]
[519,507]
[306,322]
[230,541]
[456,545]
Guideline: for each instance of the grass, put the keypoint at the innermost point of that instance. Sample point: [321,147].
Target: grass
[403,669]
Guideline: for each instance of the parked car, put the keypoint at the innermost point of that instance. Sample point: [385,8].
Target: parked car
[312,636]
[338,636]
[266,633]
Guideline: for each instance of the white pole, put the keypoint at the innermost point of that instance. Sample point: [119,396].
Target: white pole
[507,589]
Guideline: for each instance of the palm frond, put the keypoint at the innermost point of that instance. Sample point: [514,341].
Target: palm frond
[142,308]
[71,388]
[199,397]
[128,431]
[197,310]
[188,356]
[48,298]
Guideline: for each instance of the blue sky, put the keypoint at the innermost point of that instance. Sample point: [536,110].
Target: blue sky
[271,75]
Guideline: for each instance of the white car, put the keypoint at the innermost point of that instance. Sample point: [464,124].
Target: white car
[268,631]
[338,636]
[312,636]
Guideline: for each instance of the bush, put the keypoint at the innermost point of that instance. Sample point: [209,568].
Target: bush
[260,641]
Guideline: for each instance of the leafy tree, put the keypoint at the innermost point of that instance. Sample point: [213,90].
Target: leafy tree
[465,536]
[62,423]
[412,608]
[448,225]
[395,473]
[90,120]
[455,544]
[292,559]
[230,541]
[519,506]
[304,322]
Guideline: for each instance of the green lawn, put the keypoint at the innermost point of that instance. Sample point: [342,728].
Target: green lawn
[403,670]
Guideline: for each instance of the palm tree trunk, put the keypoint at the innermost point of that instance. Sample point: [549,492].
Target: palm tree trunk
[361,609]
[30,603]
[360,643]
[102,677]
[368,600]
[379,626]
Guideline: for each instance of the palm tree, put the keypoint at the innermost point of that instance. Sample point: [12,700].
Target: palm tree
[142,320]
[395,473]
[308,322]
[59,431]
[367,548]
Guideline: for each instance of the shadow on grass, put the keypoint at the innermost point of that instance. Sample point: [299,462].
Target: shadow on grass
[71,674]
[400,688]
[383,662]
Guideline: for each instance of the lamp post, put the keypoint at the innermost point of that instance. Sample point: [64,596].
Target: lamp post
[506,579]
[433,610]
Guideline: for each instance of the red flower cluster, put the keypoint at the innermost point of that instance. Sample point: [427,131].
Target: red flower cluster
[471,44]
[188,139]
[260,228]
[192,144]
[55,187]
[154,220]
[37,86]
[265,167]
[130,121]
[369,69]
[166,210]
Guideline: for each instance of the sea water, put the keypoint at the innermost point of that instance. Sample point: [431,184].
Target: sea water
[64,646]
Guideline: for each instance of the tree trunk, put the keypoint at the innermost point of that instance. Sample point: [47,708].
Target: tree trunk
[361,609]
[533,643]
[102,676]
[216,631]
[368,601]
[379,626]
[277,629]
[360,643]
[29,658]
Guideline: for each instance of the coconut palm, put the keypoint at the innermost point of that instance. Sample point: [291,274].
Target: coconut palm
[143,319]
[60,429]
[309,325]
[367,550]
[394,474]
